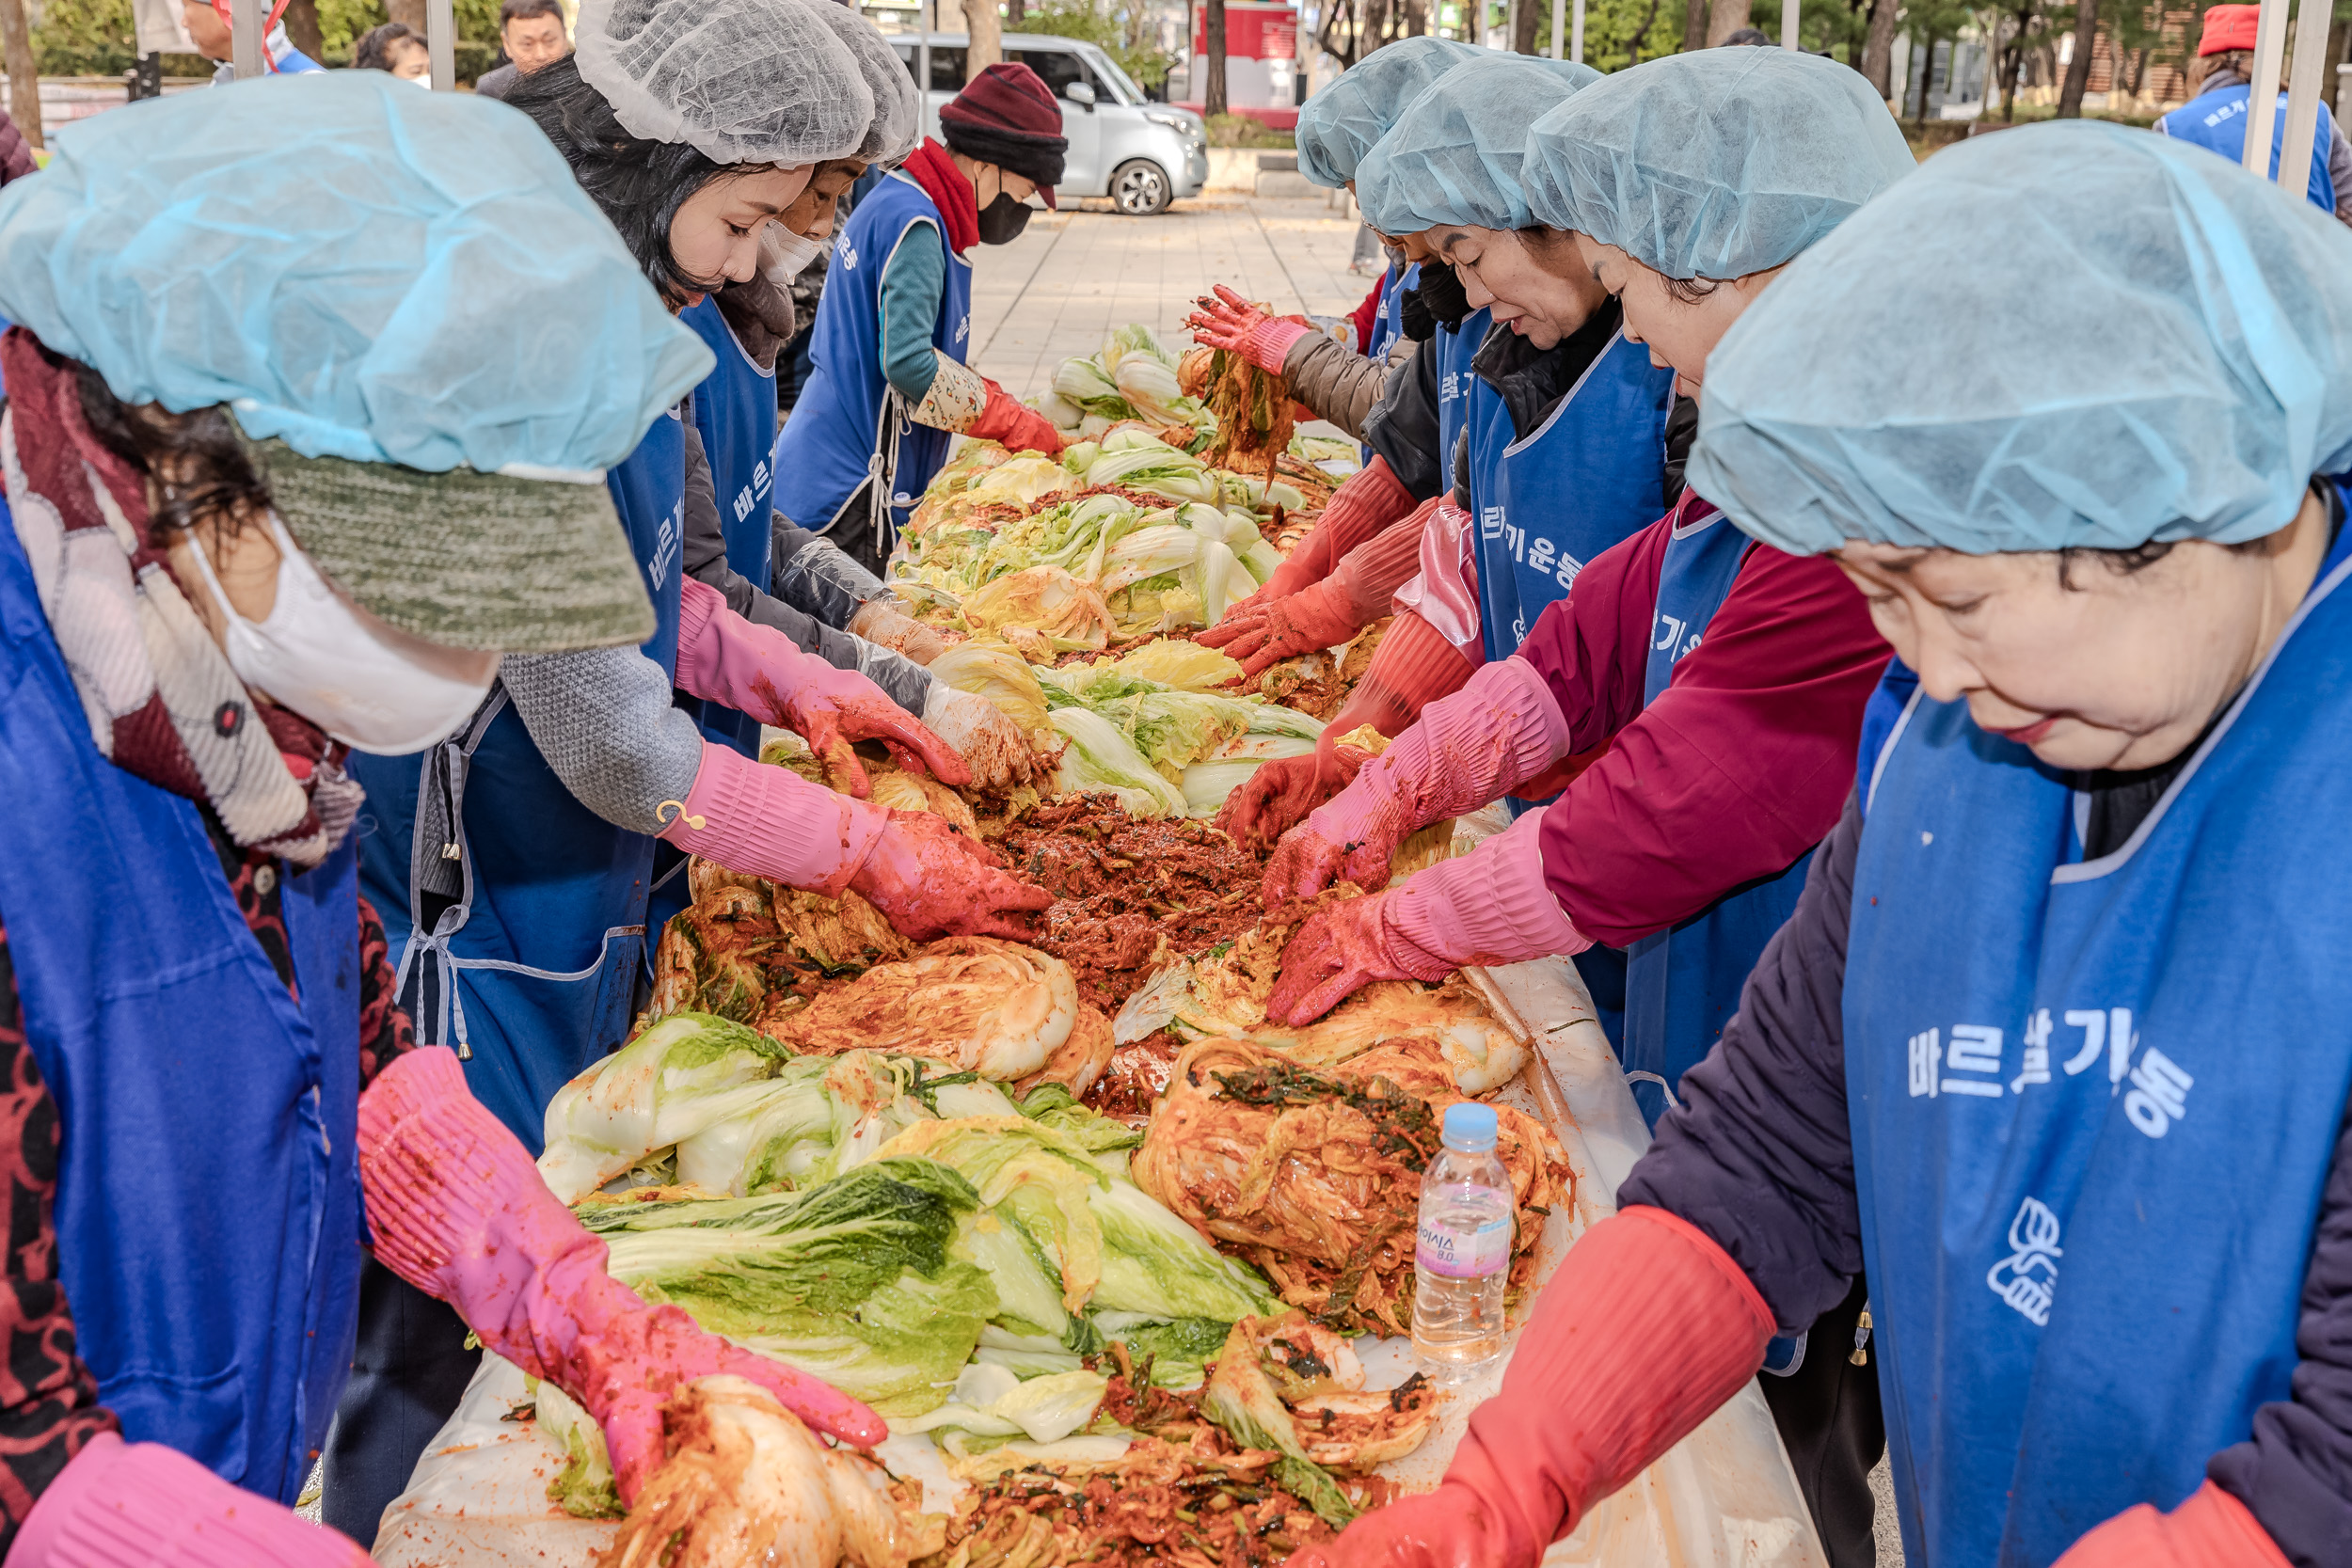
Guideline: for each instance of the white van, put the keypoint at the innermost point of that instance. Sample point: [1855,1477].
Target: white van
[1140,154]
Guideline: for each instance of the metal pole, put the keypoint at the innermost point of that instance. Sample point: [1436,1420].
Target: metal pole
[2271,50]
[1576,33]
[1559,28]
[1789,25]
[2304,89]
[245,22]
[440,44]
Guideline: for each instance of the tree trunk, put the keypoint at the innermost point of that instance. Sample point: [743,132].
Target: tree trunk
[408,14]
[984,45]
[16,44]
[1523,35]
[1017,11]
[302,27]
[1724,18]
[2012,59]
[1926,76]
[1878,48]
[1694,28]
[1212,96]
[2079,69]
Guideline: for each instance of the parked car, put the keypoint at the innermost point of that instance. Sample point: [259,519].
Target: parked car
[1142,155]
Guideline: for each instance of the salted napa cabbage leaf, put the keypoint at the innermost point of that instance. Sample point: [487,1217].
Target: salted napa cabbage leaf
[1099,757]
[681,1075]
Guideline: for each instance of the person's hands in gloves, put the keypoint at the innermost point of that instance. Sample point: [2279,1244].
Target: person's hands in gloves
[458,1210]
[1227,321]
[1357,594]
[880,622]
[2210,1529]
[127,1505]
[1366,505]
[1647,1328]
[1268,804]
[930,880]
[991,744]
[1006,420]
[757,670]
[1501,729]
[1413,667]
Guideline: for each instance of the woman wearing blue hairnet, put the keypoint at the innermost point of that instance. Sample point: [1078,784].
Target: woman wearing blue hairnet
[2054,1040]
[1698,696]
[214,1097]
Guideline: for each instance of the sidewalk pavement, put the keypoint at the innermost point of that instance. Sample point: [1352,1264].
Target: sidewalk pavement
[1074,275]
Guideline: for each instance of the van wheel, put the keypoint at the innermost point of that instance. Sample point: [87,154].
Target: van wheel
[1139,189]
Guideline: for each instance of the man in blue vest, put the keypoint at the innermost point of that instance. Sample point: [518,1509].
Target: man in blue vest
[2215,118]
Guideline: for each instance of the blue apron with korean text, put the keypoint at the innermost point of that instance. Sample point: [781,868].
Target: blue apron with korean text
[531,975]
[735,414]
[2094,1103]
[1587,478]
[1454,351]
[208,1201]
[1682,985]
[2216,121]
[1388,318]
[850,424]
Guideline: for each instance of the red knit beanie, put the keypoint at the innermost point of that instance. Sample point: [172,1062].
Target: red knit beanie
[1007,117]
[2229,27]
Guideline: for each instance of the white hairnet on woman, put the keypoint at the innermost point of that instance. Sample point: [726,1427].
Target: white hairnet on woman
[898,107]
[740,81]
[1453,156]
[1337,125]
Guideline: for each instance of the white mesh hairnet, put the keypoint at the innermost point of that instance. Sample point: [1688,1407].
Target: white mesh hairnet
[1715,164]
[2177,367]
[1337,125]
[739,81]
[356,267]
[1453,156]
[898,120]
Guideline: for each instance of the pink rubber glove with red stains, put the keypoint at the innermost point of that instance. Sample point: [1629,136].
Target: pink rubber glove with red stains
[757,670]
[1492,906]
[136,1505]
[458,1210]
[2210,1529]
[1232,324]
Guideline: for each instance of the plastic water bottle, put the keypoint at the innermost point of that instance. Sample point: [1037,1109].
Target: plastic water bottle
[1462,1258]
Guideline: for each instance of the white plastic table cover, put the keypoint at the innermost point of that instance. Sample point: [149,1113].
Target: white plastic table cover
[1724,1497]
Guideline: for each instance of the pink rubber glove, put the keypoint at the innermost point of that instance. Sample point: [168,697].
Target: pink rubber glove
[459,1210]
[2210,1529]
[1500,729]
[1232,324]
[1364,505]
[136,1505]
[757,670]
[928,880]
[1647,1328]
[1280,793]
[1328,613]
[1492,906]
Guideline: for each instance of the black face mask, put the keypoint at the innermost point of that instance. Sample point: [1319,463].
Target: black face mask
[1002,220]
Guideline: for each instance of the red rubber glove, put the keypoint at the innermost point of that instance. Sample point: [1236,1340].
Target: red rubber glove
[1358,592]
[1367,505]
[459,1210]
[1232,324]
[1263,807]
[757,670]
[1021,428]
[1647,1328]
[930,880]
[136,1505]
[2210,1529]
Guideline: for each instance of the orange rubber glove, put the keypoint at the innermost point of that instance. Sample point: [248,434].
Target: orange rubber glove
[1021,428]
[1647,1328]
[1365,505]
[2210,1529]
[1413,667]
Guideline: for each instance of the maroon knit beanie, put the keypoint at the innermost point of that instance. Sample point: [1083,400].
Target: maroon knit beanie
[1007,117]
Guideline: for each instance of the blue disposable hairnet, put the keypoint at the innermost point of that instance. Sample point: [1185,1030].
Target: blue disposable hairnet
[1715,164]
[1453,156]
[364,270]
[2138,342]
[1337,125]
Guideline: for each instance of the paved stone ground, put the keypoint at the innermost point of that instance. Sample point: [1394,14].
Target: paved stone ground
[1074,275]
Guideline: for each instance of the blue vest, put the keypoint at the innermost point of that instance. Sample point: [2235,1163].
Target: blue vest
[530,976]
[208,1204]
[1454,351]
[2094,1103]
[2216,121]
[1682,985]
[735,414]
[849,425]
[1388,317]
[1585,479]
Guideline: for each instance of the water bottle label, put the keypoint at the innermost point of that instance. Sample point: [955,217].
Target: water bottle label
[1458,1252]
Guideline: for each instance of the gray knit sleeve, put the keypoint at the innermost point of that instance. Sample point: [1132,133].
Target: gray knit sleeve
[603,720]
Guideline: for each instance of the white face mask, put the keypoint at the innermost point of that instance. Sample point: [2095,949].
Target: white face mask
[782,254]
[316,656]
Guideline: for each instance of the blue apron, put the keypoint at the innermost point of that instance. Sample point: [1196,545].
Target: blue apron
[1454,351]
[2216,121]
[850,424]
[734,413]
[531,975]
[1682,985]
[1589,476]
[1388,319]
[208,1204]
[2089,1138]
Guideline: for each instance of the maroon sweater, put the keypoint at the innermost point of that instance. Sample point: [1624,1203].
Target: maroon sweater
[1739,766]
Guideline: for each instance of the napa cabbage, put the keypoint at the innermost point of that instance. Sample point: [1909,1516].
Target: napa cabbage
[681,1075]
